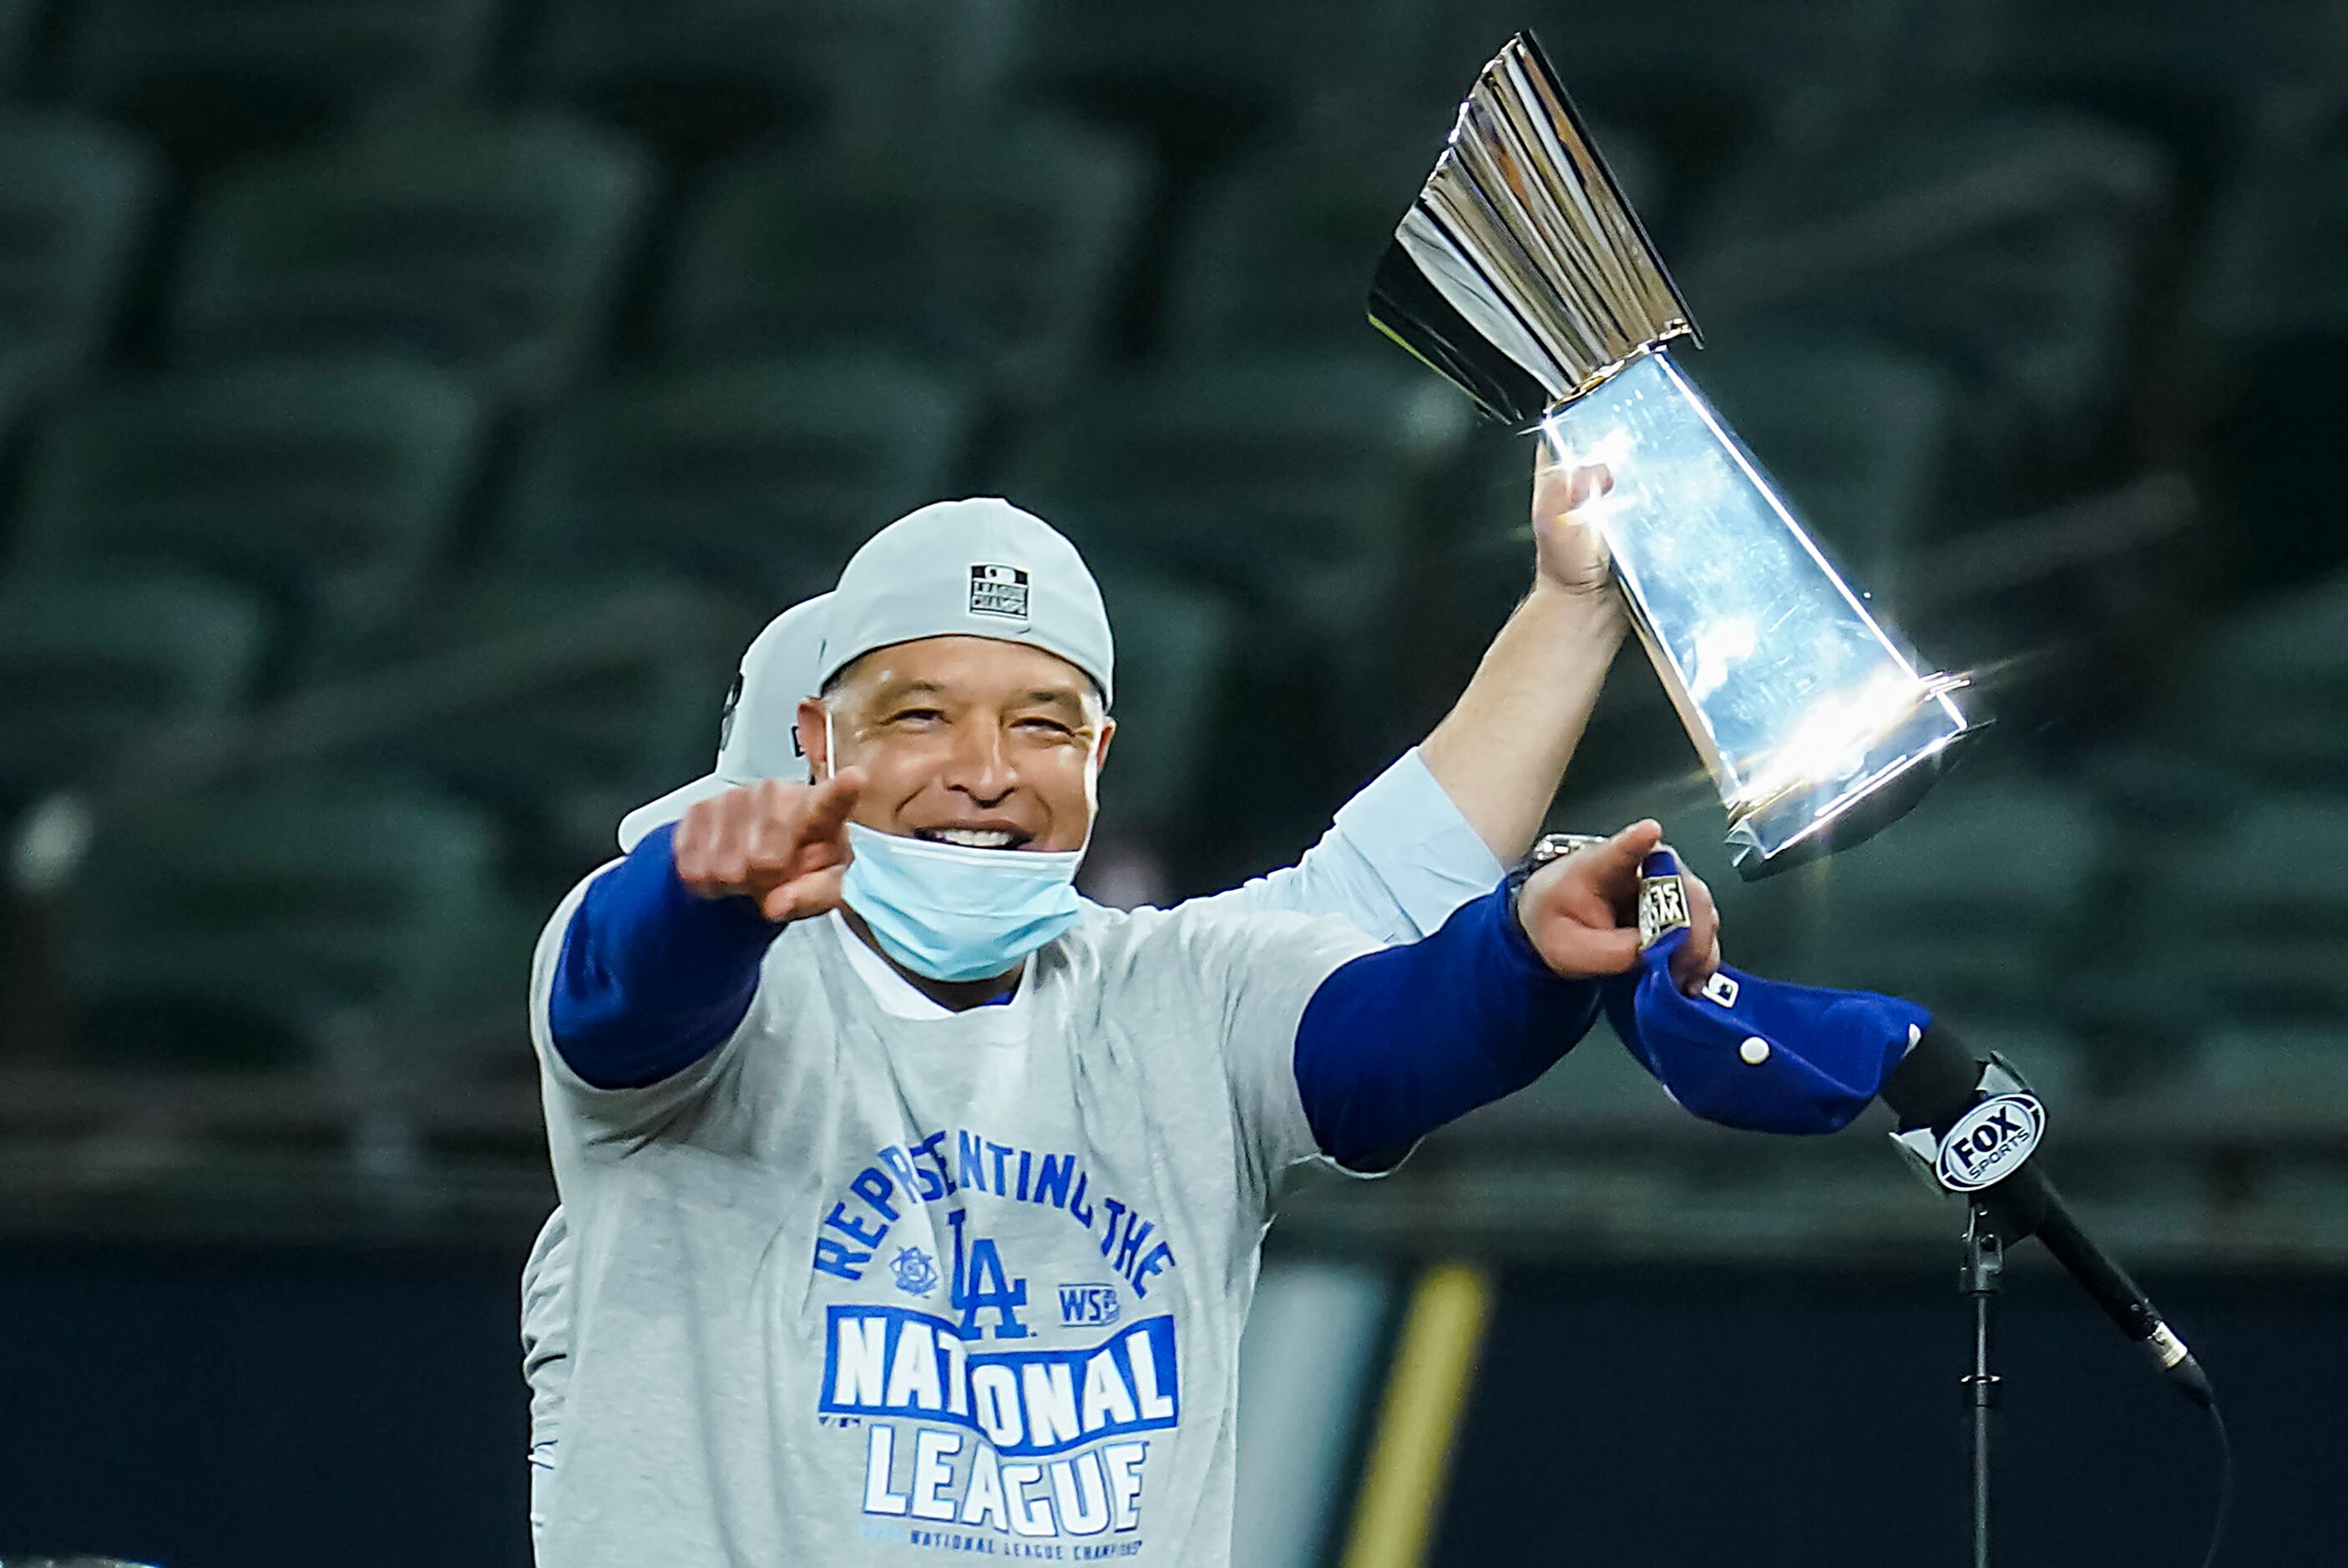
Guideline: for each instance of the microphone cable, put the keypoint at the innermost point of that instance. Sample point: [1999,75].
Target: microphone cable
[2225,1485]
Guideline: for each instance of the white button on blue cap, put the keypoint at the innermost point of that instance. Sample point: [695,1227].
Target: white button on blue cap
[758,735]
[973,568]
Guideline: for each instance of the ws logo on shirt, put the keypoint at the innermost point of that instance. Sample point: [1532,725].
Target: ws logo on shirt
[1088,1306]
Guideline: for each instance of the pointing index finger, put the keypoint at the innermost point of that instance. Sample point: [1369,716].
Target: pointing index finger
[834,798]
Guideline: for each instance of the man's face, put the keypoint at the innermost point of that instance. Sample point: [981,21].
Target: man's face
[965,740]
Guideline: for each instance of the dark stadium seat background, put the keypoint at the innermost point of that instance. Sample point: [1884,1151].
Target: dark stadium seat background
[427,399]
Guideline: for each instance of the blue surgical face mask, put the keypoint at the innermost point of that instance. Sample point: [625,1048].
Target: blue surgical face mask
[952,912]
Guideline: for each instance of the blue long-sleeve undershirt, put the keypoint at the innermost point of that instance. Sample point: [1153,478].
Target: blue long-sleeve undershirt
[651,978]
[1399,1042]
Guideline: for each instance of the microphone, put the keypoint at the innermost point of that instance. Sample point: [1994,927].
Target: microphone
[1974,1124]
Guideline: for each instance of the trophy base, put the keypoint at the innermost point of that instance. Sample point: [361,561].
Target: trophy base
[1885,799]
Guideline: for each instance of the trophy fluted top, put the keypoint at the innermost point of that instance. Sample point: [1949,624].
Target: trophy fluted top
[1521,272]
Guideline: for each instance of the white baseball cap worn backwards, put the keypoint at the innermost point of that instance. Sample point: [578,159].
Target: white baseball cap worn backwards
[975,568]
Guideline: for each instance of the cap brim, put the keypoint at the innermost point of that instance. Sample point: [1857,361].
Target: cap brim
[667,808]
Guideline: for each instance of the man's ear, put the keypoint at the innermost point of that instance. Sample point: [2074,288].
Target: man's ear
[815,737]
[1100,748]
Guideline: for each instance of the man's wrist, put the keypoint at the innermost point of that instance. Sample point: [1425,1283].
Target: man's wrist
[1598,607]
[1549,847]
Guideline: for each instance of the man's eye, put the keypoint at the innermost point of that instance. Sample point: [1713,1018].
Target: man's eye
[1044,726]
[905,715]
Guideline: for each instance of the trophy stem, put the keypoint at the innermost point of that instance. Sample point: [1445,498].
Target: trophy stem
[1799,701]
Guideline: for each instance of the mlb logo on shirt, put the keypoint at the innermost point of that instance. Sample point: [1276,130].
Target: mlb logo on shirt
[998,591]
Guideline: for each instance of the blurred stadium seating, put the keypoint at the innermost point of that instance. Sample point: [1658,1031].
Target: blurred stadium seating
[493,249]
[325,487]
[994,255]
[77,200]
[96,666]
[234,927]
[408,408]
[751,475]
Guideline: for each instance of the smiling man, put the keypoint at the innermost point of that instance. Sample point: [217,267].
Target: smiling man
[850,1096]
[1427,834]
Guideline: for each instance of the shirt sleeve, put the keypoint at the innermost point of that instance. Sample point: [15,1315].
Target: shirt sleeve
[1397,862]
[1253,975]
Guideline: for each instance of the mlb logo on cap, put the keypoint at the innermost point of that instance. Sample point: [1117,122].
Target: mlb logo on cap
[998,591]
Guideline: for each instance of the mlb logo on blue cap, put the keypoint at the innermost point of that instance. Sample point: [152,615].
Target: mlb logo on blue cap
[998,591]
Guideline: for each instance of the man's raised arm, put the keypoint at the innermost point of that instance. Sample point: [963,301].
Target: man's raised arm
[1438,827]
[1501,752]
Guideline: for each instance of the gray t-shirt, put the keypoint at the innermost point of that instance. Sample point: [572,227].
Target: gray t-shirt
[861,1287]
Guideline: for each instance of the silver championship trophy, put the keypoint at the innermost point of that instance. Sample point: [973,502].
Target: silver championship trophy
[1523,276]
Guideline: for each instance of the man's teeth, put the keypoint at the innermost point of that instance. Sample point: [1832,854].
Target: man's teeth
[975,838]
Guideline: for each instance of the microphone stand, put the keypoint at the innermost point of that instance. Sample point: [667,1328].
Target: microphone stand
[1984,1272]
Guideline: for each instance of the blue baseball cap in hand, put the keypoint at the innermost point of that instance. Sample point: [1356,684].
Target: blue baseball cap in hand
[1766,1056]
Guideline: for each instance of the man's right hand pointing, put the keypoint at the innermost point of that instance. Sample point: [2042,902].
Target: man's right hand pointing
[783,845]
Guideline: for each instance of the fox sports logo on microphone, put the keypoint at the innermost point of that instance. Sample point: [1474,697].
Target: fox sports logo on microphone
[1990,1142]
